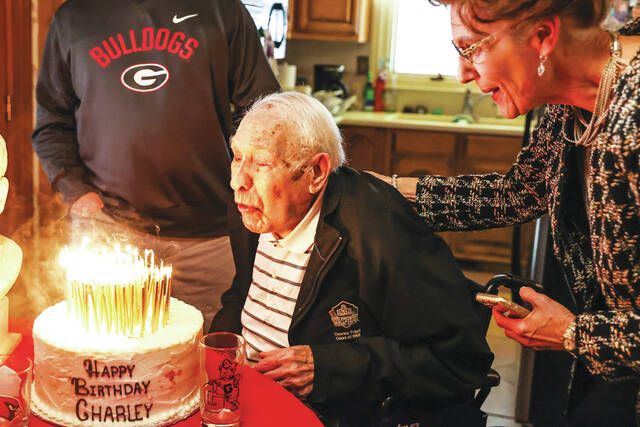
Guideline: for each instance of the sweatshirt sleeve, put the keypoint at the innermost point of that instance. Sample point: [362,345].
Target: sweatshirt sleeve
[251,75]
[55,139]
[477,202]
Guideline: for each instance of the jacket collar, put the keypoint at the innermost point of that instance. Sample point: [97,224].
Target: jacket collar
[328,245]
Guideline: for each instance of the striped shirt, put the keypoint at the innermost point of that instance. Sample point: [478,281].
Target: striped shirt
[278,270]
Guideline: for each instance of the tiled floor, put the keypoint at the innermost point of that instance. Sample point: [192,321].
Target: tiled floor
[500,405]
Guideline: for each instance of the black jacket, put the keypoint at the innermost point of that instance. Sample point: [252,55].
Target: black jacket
[383,304]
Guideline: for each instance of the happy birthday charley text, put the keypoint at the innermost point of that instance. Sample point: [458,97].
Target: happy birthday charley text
[86,411]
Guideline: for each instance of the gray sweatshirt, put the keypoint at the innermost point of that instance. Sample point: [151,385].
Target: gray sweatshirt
[134,103]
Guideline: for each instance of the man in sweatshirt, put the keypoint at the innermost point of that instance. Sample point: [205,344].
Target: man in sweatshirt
[133,120]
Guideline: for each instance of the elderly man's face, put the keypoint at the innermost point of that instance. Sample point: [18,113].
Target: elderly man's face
[270,195]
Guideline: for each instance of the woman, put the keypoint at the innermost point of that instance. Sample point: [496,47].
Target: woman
[582,167]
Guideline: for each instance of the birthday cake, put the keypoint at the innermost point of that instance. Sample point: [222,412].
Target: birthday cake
[116,352]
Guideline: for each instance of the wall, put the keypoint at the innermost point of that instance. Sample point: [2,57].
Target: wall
[41,232]
[305,54]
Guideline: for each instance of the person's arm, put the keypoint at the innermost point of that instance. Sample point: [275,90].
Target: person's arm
[478,202]
[55,135]
[607,342]
[250,73]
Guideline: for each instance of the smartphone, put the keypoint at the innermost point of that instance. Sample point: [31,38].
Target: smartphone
[513,309]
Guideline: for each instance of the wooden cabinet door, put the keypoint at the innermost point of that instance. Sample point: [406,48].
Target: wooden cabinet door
[482,154]
[486,153]
[417,153]
[16,110]
[338,20]
[367,148]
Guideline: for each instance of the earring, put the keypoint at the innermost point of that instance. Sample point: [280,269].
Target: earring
[541,67]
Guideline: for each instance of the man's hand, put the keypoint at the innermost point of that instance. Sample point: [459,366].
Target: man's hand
[87,205]
[290,367]
[543,328]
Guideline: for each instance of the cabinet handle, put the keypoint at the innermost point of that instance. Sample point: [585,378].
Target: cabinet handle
[8,106]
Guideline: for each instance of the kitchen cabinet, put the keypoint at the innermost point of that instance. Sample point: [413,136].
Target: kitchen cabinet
[367,148]
[16,111]
[333,20]
[413,157]
[422,152]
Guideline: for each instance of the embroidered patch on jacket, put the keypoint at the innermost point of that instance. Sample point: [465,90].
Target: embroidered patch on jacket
[344,315]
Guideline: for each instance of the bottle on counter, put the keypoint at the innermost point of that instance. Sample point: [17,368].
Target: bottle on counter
[381,81]
[368,95]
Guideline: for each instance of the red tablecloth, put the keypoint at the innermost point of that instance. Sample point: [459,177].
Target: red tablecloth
[264,403]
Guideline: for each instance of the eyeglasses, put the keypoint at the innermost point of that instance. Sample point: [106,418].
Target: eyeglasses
[470,53]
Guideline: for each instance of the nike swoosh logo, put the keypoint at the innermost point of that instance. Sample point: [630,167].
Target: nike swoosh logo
[177,20]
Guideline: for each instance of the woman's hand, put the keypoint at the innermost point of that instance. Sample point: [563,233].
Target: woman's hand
[381,177]
[405,185]
[543,328]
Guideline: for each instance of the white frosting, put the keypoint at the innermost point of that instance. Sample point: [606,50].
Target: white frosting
[4,192]
[10,262]
[4,158]
[163,367]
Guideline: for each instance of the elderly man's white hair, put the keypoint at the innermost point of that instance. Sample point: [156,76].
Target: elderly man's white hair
[310,127]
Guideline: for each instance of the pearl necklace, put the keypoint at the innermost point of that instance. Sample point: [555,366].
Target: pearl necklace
[586,133]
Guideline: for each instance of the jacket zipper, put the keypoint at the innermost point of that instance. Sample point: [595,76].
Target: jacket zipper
[321,275]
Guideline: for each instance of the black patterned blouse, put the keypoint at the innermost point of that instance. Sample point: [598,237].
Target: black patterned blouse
[599,252]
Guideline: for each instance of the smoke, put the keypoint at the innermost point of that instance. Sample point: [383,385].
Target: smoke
[41,280]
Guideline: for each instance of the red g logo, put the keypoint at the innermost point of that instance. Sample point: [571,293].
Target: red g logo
[145,77]
[9,408]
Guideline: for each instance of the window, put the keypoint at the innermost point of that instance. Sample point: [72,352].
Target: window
[416,38]
[422,40]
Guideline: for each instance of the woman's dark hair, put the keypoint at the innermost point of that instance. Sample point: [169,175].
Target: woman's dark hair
[585,13]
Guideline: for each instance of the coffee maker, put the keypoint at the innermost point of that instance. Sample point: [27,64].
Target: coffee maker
[329,77]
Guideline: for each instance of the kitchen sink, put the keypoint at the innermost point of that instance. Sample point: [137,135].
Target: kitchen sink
[499,121]
[440,122]
[446,118]
[422,117]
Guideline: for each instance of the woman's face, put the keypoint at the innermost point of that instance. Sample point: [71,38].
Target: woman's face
[505,66]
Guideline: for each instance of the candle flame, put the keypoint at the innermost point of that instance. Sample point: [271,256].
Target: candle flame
[116,290]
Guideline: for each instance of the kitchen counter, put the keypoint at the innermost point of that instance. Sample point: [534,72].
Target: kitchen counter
[433,122]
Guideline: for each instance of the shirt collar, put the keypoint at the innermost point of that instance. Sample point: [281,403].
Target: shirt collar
[303,235]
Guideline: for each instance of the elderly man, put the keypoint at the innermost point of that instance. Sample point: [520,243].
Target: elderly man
[352,297]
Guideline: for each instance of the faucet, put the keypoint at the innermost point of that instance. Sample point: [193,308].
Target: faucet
[468,104]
